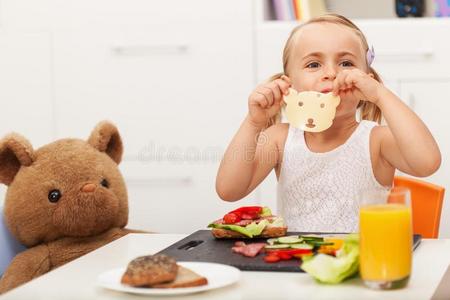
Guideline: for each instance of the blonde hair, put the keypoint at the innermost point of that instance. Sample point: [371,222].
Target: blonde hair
[369,111]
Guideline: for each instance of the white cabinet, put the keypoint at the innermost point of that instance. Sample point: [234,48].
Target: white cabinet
[25,87]
[25,81]
[173,75]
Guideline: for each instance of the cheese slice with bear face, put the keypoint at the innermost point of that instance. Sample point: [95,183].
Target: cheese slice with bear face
[311,111]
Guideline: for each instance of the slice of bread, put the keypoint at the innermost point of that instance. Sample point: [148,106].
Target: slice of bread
[149,270]
[185,278]
[268,232]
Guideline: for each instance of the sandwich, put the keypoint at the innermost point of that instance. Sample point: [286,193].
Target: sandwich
[249,222]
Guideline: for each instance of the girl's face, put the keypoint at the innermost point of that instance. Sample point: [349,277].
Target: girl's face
[320,51]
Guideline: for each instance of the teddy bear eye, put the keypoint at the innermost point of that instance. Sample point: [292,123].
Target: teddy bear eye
[104,183]
[322,105]
[300,103]
[54,196]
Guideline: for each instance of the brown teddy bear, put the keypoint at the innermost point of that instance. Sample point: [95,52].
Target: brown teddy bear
[64,199]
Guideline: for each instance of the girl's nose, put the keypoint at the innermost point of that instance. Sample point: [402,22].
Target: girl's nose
[329,74]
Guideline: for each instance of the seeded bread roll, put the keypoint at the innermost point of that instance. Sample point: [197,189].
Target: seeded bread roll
[150,270]
[268,232]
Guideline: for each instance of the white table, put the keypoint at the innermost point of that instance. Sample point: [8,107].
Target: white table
[77,280]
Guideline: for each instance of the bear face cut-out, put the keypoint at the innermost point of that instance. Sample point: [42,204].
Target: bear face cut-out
[311,111]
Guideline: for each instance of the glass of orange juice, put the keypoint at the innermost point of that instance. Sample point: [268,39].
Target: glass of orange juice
[385,227]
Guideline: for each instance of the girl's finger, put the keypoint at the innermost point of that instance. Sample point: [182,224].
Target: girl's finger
[337,85]
[283,86]
[286,79]
[268,92]
[261,99]
[277,93]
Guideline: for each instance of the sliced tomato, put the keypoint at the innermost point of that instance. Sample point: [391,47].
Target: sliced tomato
[271,258]
[231,218]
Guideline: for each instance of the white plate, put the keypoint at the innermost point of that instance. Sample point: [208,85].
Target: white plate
[218,275]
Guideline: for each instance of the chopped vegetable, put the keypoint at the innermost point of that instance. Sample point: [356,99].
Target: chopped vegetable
[271,258]
[328,269]
[250,230]
[231,218]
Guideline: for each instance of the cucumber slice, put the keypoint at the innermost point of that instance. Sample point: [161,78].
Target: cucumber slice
[293,239]
[319,243]
[303,246]
[312,238]
[272,241]
[277,246]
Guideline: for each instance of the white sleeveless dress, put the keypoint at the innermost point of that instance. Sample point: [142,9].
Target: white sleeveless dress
[318,192]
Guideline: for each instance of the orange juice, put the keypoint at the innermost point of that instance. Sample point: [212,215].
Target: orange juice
[385,242]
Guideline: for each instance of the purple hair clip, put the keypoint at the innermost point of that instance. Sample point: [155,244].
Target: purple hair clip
[370,55]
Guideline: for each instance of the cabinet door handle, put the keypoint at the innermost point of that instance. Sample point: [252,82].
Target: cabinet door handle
[148,50]
[403,55]
[161,181]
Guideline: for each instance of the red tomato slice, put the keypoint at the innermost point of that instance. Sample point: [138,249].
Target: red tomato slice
[271,258]
[231,218]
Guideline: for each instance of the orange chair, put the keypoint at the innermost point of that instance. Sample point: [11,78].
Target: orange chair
[426,202]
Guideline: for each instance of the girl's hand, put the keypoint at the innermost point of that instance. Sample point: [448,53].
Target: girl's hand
[357,83]
[266,100]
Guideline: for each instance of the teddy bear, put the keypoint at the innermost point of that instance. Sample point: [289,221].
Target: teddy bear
[63,200]
[311,111]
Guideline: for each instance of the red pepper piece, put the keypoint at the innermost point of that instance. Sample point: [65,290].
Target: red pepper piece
[248,209]
[288,251]
[285,256]
[248,216]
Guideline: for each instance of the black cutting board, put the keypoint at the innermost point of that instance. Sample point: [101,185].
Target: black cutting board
[202,246]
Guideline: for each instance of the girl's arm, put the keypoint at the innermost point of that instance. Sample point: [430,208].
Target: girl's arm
[406,143]
[252,153]
[249,158]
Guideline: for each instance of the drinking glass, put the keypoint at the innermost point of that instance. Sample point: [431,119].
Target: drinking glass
[386,235]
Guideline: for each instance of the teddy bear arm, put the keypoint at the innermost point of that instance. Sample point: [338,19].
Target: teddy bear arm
[25,266]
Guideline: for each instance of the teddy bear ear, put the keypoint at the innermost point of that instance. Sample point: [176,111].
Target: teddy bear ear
[106,138]
[15,152]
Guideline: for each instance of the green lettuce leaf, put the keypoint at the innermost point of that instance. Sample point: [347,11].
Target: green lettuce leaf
[277,222]
[266,212]
[329,269]
[250,230]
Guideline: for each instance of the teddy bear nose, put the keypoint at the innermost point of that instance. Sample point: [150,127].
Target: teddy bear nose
[88,188]
[310,121]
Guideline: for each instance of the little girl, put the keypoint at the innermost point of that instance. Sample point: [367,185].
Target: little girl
[320,175]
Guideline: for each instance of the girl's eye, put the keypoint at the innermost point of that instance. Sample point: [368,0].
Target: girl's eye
[347,63]
[312,65]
